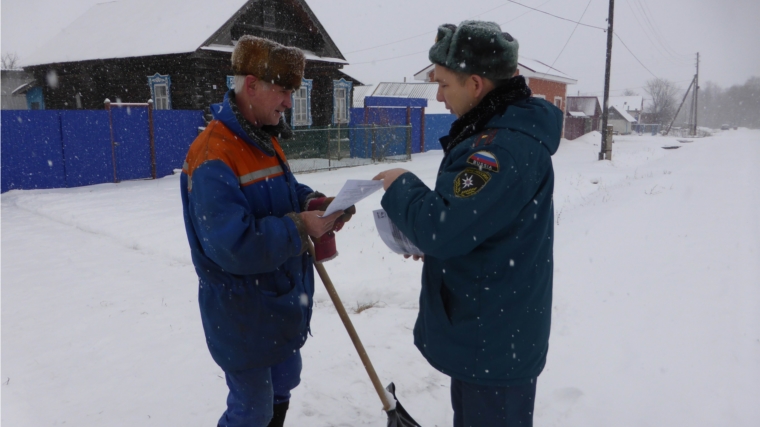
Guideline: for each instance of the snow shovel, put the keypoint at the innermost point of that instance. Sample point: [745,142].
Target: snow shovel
[397,416]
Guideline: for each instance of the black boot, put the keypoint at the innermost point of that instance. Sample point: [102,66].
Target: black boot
[278,419]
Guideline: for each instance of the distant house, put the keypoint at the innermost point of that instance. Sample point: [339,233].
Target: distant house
[633,105]
[13,82]
[177,53]
[621,122]
[583,115]
[392,103]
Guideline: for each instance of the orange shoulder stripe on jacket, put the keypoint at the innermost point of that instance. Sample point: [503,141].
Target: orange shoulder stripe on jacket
[248,163]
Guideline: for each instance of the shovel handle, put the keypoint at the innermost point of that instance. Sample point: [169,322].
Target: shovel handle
[351,331]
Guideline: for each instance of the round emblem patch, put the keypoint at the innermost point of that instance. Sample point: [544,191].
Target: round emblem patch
[470,181]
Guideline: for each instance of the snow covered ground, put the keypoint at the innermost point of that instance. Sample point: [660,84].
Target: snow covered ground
[656,301]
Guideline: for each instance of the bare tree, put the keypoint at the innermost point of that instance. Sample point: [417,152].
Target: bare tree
[664,100]
[10,61]
[630,92]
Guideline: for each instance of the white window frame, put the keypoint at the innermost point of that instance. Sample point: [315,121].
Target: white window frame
[341,103]
[558,98]
[300,113]
[161,101]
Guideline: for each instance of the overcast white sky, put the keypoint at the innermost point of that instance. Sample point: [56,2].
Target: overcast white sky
[664,34]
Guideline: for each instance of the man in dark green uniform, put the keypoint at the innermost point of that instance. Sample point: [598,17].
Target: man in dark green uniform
[486,229]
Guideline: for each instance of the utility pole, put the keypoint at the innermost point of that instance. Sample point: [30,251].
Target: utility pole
[696,98]
[606,151]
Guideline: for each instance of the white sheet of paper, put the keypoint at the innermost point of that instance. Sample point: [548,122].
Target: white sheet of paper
[352,192]
[392,236]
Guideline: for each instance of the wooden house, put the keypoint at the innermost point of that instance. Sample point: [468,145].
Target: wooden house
[583,115]
[177,53]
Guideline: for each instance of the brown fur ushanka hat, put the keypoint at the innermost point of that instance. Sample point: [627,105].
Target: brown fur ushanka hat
[269,61]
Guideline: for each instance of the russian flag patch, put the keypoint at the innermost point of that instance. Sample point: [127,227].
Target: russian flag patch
[484,160]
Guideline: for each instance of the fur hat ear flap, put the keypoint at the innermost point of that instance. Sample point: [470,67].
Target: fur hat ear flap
[440,50]
[269,61]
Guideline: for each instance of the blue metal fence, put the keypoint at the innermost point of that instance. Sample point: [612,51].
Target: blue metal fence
[32,154]
[71,148]
[436,127]
[86,140]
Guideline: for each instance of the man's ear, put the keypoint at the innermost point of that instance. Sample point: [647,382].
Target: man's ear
[478,85]
[251,84]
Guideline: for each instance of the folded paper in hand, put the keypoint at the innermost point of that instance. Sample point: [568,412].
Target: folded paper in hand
[392,236]
[352,192]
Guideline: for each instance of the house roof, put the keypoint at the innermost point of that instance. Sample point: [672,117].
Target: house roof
[129,28]
[588,105]
[528,67]
[533,68]
[624,103]
[396,90]
[407,90]
[361,92]
[133,28]
[629,118]
[426,91]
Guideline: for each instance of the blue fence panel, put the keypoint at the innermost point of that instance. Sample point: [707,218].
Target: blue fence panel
[174,131]
[87,147]
[132,139]
[32,155]
[436,126]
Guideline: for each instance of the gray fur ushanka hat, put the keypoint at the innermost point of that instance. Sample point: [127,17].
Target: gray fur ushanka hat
[476,47]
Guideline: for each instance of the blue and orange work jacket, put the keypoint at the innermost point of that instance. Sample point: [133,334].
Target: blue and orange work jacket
[255,283]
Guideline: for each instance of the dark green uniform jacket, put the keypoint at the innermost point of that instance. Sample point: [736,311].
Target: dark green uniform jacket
[487,234]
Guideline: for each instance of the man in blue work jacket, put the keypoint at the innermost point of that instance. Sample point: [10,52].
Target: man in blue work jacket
[248,222]
[486,229]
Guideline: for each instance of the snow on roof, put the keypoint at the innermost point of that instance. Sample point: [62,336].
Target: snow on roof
[528,67]
[311,56]
[586,104]
[537,69]
[625,115]
[407,90]
[129,28]
[577,114]
[624,103]
[396,90]
[361,92]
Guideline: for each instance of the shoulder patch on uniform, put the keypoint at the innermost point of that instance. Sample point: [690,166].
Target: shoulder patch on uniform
[470,181]
[485,139]
[484,160]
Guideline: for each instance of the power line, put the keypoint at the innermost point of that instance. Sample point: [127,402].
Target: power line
[432,32]
[632,54]
[568,39]
[537,10]
[520,16]
[510,1]
[557,16]
[658,34]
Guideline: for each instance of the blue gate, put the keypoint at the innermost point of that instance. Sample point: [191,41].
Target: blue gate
[131,140]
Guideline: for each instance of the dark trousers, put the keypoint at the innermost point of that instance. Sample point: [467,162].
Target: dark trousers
[254,392]
[487,406]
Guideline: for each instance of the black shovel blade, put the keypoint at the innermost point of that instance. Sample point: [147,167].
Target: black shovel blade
[399,417]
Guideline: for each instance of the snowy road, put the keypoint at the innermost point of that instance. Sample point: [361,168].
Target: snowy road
[656,304]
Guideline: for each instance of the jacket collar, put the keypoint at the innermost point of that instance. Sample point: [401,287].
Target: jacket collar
[495,102]
[227,113]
